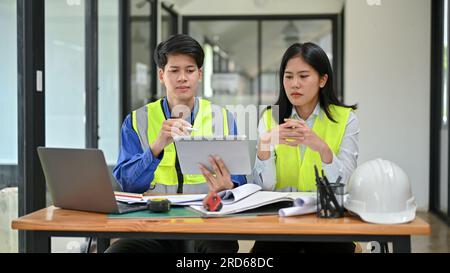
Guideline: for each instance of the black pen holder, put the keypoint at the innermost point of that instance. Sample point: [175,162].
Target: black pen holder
[330,200]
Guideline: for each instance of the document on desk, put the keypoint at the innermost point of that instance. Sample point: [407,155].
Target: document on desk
[177,199]
[130,198]
[302,205]
[227,196]
[259,200]
[182,199]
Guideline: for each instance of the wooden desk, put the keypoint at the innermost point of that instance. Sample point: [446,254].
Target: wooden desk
[54,222]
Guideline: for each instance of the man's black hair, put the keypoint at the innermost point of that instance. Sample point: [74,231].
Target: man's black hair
[178,44]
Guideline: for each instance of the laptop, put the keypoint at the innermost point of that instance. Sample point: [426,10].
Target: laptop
[79,179]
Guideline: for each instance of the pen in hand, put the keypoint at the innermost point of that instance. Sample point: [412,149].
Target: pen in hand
[191,129]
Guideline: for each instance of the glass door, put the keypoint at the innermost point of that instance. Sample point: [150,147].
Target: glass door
[65,97]
[9,135]
[65,103]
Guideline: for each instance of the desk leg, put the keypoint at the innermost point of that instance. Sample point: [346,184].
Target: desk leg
[37,242]
[402,244]
[102,244]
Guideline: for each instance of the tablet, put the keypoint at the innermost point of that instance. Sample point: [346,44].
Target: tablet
[234,151]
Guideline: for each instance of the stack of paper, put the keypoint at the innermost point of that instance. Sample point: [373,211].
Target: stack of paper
[130,198]
[227,196]
[184,199]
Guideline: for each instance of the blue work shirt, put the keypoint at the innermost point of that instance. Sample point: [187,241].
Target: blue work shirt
[135,168]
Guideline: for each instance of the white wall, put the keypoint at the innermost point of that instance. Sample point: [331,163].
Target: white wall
[387,72]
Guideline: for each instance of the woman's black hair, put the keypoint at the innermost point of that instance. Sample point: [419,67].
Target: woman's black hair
[178,44]
[317,59]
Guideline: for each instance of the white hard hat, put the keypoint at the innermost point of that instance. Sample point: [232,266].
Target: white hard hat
[380,193]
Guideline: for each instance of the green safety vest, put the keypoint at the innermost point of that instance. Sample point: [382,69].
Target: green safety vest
[292,170]
[147,122]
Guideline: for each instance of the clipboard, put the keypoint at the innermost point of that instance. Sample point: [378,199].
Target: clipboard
[234,151]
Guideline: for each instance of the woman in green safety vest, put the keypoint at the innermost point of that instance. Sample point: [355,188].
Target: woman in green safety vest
[307,126]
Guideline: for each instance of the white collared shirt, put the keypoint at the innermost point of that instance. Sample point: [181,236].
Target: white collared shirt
[343,164]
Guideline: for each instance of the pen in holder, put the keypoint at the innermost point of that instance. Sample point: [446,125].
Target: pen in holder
[330,197]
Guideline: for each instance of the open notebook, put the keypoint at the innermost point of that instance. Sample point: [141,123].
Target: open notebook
[250,198]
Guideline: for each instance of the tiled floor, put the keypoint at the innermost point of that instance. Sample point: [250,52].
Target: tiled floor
[438,241]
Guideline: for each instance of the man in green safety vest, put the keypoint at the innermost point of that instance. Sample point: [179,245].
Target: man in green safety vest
[148,158]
